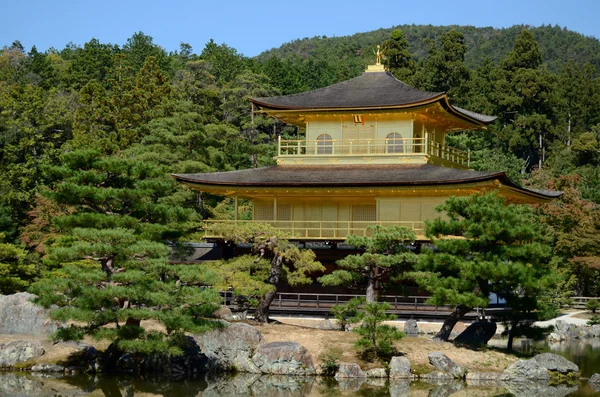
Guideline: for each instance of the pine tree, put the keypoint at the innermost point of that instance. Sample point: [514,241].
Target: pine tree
[386,256]
[109,262]
[397,57]
[482,246]
[260,277]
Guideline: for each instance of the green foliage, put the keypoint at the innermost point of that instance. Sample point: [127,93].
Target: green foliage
[386,255]
[592,305]
[16,273]
[482,246]
[278,261]
[346,313]
[376,339]
[397,58]
[329,366]
[594,320]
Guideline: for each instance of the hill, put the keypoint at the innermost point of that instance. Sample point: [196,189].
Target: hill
[557,44]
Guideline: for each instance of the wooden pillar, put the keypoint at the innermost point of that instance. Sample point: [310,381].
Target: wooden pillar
[235,209]
[275,211]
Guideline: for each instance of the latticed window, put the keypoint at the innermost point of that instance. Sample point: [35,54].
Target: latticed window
[364,213]
[263,211]
[284,212]
[394,143]
[324,144]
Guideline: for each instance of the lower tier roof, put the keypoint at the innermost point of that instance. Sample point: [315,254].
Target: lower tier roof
[354,175]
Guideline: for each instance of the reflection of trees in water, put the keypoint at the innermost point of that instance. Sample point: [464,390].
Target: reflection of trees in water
[27,385]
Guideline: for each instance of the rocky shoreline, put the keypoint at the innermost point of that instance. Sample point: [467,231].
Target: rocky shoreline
[239,348]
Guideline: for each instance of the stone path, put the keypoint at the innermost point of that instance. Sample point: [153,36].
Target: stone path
[568,318]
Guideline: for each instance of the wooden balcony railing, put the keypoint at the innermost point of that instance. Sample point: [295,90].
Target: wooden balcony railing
[390,147]
[316,230]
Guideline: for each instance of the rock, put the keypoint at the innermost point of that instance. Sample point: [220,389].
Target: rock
[483,376]
[554,337]
[189,365]
[126,365]
[326,325]
[47,368]
[437,376]
[411,328]
[283,358]
[230,348]
[223,313]
[594,382]
[400,368]
[350,370]
[74,370]
[477,334]
[594,331]
[524,370]
[376,373]
[444,364]
[18,315]
[562,327]
[19,351]
[554,362]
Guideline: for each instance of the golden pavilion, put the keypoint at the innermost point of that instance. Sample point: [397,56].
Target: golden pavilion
[374,153]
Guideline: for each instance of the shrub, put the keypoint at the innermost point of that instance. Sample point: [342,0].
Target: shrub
[376,339]
[346,313]
[594,320]
[592,305]
[330,366]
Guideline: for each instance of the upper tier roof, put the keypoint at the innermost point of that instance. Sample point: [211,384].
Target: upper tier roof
[371,90]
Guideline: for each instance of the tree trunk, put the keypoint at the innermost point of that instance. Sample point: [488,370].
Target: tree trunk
[511,337]
[262,311]
[450,322]
[371,295]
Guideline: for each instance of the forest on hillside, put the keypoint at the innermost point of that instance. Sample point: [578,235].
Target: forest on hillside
[89,134]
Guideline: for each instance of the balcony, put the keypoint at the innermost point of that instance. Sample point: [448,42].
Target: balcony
[374,151]
[317,230]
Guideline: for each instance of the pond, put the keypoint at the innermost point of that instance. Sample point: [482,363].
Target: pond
[586,354]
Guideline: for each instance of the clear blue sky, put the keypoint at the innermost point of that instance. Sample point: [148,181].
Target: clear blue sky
[255,26]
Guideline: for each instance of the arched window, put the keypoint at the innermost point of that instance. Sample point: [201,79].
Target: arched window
[394,143]
[324,144]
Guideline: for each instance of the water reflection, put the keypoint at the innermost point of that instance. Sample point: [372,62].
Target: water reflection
[29,385]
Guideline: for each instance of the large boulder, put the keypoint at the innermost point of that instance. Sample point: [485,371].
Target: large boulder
[19,351]
[477,334]
[555,363]
[188,365]
[445,364]
[411,328]
[231,347]
[594,331]
[562,327]
[594,382]
[524,370]
[350,370]
[400,368]
[283,358]
[19,315]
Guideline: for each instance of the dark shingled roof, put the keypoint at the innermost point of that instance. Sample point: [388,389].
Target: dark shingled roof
[349,175]
[370,90]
